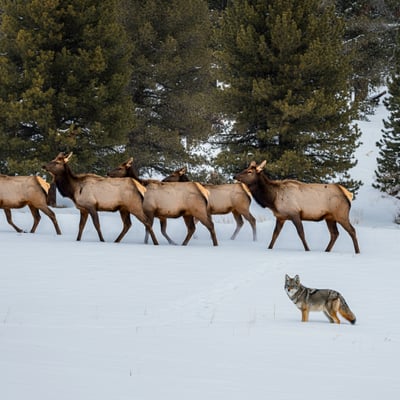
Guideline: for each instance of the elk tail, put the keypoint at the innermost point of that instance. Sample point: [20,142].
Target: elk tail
[203,191]
[346,193]
[43,184]
[247,190]
[141,189]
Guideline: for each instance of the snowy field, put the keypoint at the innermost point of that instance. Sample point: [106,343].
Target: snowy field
[104,321]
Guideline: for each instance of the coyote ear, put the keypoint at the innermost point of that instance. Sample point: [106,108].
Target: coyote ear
[297,278]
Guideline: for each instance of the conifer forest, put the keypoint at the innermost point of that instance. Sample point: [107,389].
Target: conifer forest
[209,85]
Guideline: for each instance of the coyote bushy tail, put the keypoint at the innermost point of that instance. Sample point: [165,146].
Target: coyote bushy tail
[345,311]
[329,301]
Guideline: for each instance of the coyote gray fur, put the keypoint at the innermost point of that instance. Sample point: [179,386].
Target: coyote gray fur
[330,302]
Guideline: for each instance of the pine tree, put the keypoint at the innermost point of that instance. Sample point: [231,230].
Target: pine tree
[171,83]
[64,70]
[287,90]
[370,36]
[388,170]
[217,5]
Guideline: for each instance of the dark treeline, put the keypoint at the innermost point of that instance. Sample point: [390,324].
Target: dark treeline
[279,80]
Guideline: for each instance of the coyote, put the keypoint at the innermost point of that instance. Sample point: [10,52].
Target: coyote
[326,300]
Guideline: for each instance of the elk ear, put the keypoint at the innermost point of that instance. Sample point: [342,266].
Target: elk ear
[67,157]
[261,166]
[253,164]
[182,171]
[129,162]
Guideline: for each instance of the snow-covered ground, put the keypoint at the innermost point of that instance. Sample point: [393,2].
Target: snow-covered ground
[104,321]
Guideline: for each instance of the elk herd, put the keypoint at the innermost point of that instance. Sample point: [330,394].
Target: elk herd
[176,196]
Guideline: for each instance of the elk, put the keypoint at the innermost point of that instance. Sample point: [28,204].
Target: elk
[297,201]
[225,198]
[126,170]
[92,193]
[21,191]
[172,200]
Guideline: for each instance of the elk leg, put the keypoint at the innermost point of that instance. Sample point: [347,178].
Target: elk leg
[333,230]
[146,234]
[277,230]
[126,219]
[36,218]
[239,223]
[82,223]
[153,236]
[252,222]
[53,218]
[352,232]
[96,222]
[147,221]
[7,212]
[191,227]
[300,231]
[209,224]
[163,225]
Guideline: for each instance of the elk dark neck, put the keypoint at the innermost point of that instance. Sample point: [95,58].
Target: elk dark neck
[176,178]
[65,183]
[131,173]
[184,178]
[263,190]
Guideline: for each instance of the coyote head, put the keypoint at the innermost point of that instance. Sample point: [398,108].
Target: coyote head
[292,285]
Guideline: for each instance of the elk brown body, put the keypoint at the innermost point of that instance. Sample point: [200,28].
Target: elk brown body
[297,201]
[92,193]
[126,170]
[226,198]
[172,200]
[21,191]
